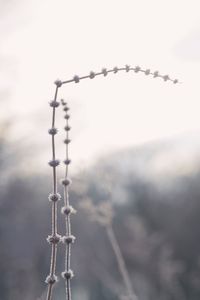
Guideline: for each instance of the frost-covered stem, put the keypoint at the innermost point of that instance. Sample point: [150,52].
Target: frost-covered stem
[115,70]
[121,263]
[54,238]
[68,239]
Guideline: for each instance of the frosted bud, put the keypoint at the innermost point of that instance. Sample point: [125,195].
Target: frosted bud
[67,161]
[70,239]
[127,67]
[67,210]
[63,102]
[155,74]
[67,141]
[66,108]
[53,131]
[92,75]
[104,71]
[54,103]
[147,72]
[67,128]
[58,83]
[68,274]
[54,197]
[51,279]
[166,77]
[54,239]
[66,181]
[175,81]
[115,70]
[67,117]
[76,79]
[54,162]
[137,69]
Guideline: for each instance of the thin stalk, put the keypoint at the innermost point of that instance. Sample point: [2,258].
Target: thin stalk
[68,239]
[121,263]
[115,70]
[54,238]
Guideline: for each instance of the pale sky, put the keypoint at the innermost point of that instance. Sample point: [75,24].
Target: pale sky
[45,40]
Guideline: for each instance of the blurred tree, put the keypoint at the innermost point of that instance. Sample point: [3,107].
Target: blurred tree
[157,230]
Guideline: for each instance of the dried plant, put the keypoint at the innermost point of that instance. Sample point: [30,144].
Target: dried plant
[104,219]
[103,214]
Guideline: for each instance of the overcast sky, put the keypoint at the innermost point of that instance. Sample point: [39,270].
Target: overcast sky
[45,40]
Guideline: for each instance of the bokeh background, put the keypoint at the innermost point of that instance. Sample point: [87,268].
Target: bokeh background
[135,145]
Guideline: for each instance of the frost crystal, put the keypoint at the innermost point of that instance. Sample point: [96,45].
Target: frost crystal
[67,128]
[127,67]
[68,274]
[54,162]
[63,102]
[104,72]
[66,181]
[166,77]
[67,117]
[147,72]
[92,75]
[54,103]
[54,197]
[67,161]
[58,83]
[137,69]
[54,239]
[51,279]
[67,210]
[68,239]
[53,131]
[76,79]
[67,141]
[155,74]
[115,70]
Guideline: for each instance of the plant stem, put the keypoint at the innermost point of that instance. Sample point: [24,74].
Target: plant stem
[67,274]
[54,211]
[121,263]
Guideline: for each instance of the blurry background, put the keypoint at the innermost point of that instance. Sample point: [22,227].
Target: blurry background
[135,144]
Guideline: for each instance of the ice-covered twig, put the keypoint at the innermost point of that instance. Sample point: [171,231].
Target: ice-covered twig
[115,70]
[67,209]
[54,197]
